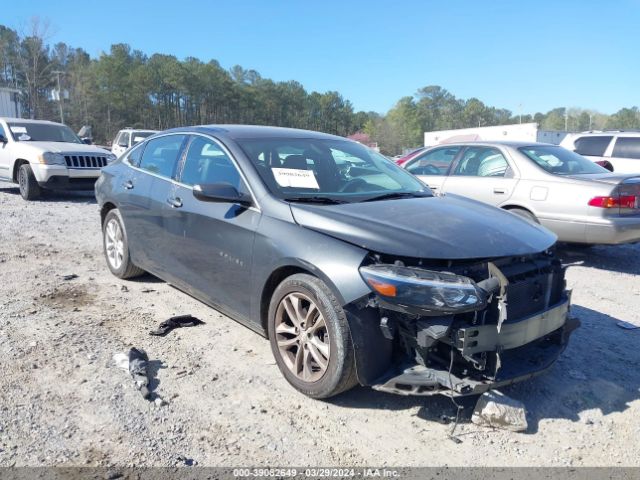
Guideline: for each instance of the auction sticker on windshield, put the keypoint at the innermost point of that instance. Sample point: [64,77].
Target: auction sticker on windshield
[291,177]
[18,129]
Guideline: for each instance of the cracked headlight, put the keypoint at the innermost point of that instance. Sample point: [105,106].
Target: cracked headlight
[424,289]
[51,158]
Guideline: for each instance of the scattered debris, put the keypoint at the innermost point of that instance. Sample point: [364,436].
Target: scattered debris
[189,462]
[138,369]
[71,276]
[124,288]
[122,361]
[147,290]
[627,325]
[494,409]
[176,322]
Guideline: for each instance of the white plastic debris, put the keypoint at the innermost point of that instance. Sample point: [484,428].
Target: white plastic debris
[122,361]
[494,409]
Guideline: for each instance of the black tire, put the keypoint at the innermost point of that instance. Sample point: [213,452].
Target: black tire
[526,214]
[340,373]
[125,268]
[29,188]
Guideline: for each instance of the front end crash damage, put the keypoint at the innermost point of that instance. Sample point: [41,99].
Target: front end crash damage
[462,327]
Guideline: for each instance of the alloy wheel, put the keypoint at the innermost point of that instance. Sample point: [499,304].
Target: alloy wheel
[114,243]
[302,337]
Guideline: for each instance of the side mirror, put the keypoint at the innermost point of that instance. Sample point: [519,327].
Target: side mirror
[221,193]
[87,141]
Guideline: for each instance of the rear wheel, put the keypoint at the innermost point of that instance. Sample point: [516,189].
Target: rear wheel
[526,214]
[116,247]
[310,338]
[29,188]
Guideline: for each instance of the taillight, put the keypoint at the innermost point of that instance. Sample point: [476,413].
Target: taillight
[624,201]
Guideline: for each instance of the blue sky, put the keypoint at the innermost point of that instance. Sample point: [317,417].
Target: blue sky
[539,54]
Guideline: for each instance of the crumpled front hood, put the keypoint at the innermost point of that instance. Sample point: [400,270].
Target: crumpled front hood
[61,147]
[449,227]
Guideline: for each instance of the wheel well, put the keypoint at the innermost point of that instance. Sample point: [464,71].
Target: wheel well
[517,207]
[16,167]
[272,283]
[106,208]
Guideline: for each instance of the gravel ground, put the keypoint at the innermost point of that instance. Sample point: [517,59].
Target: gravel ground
[64,402]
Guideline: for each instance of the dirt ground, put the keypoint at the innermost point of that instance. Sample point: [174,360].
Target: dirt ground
[64,402]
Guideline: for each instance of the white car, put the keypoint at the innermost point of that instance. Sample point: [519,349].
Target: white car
[618,151]
[41,155]
[127,138]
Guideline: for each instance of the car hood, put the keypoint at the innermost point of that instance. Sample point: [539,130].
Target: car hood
[61,147]
[449,227]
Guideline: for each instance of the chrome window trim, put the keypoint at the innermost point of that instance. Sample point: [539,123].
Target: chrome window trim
[255,207]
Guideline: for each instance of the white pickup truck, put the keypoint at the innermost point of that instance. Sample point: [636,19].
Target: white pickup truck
[41,155]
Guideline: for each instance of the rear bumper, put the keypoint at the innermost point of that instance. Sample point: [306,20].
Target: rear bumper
[526,348]
[614,231]
[605,231]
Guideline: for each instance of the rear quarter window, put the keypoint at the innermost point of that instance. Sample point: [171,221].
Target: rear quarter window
[627,147]
[593,146]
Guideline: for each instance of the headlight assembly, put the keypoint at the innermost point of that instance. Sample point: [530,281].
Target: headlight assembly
[51,158]
[427,290]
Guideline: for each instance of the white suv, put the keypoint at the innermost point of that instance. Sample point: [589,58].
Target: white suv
[127,138]
[617,150]
[37,155]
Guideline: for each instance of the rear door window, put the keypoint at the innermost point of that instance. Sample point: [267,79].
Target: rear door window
[482,162]
[161,155]
[434,162]
[593,146]
[627,147]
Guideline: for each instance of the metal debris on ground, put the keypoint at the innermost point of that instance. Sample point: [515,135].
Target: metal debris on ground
[494,409]
[176,322]
[71,276]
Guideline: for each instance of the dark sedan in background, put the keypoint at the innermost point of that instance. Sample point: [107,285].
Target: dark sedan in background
[349,264]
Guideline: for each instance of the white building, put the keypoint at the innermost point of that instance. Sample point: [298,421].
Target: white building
[521,132]
[9,104]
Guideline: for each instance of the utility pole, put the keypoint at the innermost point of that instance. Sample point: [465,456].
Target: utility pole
[520,114]
[566,120]
[58,73]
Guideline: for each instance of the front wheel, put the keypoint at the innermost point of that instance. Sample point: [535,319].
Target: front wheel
[310,339]
[29,188]
[116,247]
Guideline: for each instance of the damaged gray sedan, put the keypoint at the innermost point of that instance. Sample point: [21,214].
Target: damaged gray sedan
[348,264]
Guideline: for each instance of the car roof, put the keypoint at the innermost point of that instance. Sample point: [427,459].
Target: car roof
[495,143]
[256,131]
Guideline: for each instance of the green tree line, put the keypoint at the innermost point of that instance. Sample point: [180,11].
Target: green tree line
[125,87]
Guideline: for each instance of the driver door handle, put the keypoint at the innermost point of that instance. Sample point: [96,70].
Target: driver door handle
[499,191]
[175,202]
[128,184]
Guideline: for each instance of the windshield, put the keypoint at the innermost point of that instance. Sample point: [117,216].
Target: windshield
[300,169]
[560,161]
[42,132]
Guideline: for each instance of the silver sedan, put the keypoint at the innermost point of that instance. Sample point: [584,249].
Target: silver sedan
[578,200]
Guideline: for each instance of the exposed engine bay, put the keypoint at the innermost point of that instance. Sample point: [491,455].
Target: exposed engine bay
[468,326]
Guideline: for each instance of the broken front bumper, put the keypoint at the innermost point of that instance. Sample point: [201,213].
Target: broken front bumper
[523,349]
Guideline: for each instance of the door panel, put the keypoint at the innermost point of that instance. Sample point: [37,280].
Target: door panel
[484,174]
[212,249]
[6,160]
